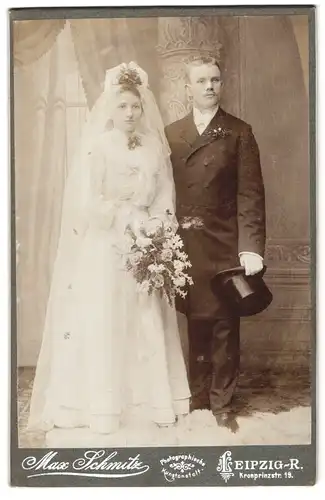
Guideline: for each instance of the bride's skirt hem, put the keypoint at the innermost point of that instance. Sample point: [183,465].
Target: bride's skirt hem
[182,406]
[70,418]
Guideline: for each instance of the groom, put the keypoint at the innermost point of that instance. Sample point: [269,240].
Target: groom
[220,199]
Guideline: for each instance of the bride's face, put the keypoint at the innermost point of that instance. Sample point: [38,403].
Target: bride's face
[127,112]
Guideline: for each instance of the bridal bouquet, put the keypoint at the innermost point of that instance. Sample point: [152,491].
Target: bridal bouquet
[157,261]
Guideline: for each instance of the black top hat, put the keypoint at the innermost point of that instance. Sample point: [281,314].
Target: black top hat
[245,295]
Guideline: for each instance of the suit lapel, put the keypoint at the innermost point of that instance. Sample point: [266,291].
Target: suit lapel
[188,132]
[207,137]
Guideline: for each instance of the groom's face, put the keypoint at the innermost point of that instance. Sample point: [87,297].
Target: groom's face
[204,85]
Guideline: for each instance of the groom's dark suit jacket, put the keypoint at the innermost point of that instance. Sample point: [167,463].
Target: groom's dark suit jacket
[218,180]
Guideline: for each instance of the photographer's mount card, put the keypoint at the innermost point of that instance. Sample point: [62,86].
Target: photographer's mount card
[163,246]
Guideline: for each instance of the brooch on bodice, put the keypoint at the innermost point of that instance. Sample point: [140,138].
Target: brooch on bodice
[134,141]
[218,133]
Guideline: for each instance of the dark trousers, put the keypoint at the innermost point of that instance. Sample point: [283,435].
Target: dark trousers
[214,358]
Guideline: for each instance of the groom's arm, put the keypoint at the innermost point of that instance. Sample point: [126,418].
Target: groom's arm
[250,195]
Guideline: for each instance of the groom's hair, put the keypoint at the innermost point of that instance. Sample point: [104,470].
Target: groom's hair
[199,60]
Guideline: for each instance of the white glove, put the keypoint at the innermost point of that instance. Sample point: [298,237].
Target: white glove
[252,262]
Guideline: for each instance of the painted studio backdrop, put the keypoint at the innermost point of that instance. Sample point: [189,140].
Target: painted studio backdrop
[59,69]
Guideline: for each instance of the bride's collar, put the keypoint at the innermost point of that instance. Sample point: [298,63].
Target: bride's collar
[132,141]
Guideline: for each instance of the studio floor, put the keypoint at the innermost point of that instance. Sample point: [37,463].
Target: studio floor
[271,407]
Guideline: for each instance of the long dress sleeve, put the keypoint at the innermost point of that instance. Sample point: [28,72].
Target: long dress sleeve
[163,205]
[100,210]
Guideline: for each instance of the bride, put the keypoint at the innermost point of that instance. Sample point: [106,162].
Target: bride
[107,347]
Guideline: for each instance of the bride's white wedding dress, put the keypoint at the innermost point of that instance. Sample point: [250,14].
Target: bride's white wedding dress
[111,347]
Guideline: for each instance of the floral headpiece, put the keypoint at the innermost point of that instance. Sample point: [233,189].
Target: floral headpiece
[129,76]
[126,74]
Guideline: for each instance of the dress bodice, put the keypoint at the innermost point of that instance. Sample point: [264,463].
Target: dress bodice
[129,174]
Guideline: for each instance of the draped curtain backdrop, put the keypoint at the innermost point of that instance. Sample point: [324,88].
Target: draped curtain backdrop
[59,72]
[40,169]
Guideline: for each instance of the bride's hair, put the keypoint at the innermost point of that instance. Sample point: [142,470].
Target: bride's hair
[129,87]
[129,80]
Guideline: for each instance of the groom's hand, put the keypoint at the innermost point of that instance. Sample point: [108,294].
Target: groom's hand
[252,262]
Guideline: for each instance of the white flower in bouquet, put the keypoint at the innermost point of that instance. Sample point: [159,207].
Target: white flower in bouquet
[156,268]
[135,258]
[143,242]
[167,245]
[158,281]
[182,256]
[179,281]
[144,286]
[173,242]
[190,280]
[178,265]
[166,255]
[176,242]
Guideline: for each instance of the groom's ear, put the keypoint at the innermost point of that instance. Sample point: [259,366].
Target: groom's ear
[188,90]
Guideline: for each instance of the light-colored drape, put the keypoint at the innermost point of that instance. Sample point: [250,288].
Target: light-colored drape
[40,170]
[33,39]
[89,57]
[100,44]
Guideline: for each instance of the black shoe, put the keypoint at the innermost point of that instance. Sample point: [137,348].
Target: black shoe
[228,420]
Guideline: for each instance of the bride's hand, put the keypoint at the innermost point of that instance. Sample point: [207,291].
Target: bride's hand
[138,222]
[152,224]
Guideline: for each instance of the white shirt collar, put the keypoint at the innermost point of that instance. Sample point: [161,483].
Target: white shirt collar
[203,118]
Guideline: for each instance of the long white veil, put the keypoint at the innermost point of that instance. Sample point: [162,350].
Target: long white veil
[74,220]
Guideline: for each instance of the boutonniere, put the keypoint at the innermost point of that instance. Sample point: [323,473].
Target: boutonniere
[194,222]
[134,141]
[218,132]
